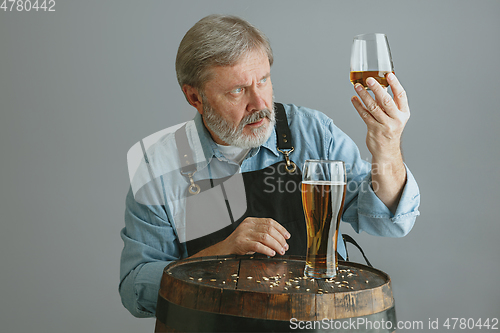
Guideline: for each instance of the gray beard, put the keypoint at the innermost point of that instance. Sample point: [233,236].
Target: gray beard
[233,135]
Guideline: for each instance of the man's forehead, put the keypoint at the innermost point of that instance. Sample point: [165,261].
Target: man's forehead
[244,71]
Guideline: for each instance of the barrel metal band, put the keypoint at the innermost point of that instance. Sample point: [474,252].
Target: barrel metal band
[184,319]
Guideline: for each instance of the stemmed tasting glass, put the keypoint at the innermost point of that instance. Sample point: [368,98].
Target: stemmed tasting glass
[370,57]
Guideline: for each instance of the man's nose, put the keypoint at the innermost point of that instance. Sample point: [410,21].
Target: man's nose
[256,100]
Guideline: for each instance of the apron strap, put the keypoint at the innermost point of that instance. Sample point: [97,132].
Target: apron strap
[349,239]
[184,151]
[283,134]
[188,167]
[284,137]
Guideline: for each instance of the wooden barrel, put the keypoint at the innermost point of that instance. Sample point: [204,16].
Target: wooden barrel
[262,294]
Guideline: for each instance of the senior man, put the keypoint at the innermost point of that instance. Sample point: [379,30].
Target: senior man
[224,69]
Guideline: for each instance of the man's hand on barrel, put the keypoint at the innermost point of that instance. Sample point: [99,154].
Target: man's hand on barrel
[262,235]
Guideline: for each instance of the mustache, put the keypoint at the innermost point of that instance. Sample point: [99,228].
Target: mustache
[256,116]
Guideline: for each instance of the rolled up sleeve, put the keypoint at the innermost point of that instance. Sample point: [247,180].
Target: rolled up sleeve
[376,219]
[150,244]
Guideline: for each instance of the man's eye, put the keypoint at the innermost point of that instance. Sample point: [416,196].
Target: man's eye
[237,91]
[263,80]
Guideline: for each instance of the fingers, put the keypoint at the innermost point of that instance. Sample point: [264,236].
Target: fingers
[399,93]
[383,106]
[384,116]
[281,229]
[270,236]
[367,117]
[274,238]
[370,105]
[383,100]
[261,235]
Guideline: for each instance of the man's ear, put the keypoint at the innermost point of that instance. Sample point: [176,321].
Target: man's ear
[193,97]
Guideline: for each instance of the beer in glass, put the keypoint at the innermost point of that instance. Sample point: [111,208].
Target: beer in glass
[323,190]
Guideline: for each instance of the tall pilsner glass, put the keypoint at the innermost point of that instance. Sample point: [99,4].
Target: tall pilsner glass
[323,191]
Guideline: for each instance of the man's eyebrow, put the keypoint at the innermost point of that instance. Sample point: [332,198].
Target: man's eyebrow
[243,85]
[268,74]
[265,76]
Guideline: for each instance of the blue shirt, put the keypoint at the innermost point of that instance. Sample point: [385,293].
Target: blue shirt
[153,235]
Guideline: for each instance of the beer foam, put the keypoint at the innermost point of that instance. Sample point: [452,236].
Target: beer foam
[323,182]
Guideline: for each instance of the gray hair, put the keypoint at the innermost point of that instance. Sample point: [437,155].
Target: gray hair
[216,40]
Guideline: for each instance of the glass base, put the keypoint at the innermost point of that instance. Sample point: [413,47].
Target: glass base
[319,273]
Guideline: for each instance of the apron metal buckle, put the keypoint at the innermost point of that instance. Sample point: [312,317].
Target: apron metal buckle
[290,165]
[193,188]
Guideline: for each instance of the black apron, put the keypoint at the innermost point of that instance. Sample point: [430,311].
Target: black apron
[272,192]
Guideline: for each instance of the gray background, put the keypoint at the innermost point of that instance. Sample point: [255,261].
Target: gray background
[81,85]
